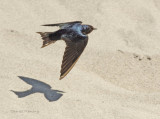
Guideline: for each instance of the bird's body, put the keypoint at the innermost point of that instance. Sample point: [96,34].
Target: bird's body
[76,38]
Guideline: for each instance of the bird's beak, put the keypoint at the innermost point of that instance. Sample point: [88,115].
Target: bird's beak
[94,28]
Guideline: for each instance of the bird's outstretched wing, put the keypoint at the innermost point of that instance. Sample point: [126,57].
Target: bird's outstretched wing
[72,53]
[64,25]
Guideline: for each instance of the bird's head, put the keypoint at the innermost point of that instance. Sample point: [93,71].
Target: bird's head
[86,29]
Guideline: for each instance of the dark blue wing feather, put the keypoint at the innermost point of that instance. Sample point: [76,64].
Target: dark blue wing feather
[64,25]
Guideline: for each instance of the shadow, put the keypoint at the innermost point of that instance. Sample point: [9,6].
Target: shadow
[39,87]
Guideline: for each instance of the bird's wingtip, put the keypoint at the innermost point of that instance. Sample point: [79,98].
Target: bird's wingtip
[49,25]
[61,77]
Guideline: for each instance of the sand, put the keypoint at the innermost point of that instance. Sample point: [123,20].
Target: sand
[117,76]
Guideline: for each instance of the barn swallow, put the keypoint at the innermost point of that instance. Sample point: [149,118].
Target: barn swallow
[75,35]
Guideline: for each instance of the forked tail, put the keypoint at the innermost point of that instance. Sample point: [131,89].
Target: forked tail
[46,39]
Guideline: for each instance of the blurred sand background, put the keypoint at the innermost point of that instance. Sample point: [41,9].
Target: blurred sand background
[117,76]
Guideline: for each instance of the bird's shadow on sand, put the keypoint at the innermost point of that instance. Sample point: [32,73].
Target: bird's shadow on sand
[39,87]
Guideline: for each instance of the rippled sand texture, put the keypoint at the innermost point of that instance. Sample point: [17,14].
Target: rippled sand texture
[117,76]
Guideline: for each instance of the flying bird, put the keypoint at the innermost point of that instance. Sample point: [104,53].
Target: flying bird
[75,35]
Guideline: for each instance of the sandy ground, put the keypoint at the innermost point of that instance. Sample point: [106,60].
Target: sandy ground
[117,76]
